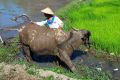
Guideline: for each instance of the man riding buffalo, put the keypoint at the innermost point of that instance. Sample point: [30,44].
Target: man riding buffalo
[36,39]
[51,21]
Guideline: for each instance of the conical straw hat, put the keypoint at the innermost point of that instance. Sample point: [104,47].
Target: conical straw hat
[47,11]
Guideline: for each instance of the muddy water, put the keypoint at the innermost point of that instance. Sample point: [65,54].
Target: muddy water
[110,67]
[12,8]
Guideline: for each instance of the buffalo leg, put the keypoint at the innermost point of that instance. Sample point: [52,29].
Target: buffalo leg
[27,53]
[57,60]
[66,59]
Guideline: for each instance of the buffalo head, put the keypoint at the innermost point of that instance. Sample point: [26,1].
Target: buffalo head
[84,35]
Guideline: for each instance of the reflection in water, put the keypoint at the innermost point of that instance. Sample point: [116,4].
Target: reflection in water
[8,10]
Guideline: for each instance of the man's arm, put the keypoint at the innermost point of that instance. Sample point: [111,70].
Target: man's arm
[60,23]
[42,23]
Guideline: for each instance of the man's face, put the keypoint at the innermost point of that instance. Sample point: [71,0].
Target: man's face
[47,15]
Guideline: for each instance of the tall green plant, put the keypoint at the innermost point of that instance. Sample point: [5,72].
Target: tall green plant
[101,17]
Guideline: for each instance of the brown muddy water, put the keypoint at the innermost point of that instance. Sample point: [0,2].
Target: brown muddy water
[12,8]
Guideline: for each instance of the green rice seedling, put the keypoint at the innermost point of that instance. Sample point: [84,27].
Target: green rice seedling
[101,17]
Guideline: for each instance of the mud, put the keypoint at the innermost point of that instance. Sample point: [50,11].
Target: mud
[105,64]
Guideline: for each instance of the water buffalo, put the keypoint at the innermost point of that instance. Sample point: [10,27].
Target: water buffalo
[86,37]
[45,41]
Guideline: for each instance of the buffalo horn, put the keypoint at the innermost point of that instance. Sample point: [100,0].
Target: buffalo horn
[23,15]
[75,29]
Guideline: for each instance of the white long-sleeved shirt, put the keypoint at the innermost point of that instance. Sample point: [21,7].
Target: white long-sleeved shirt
[54,23]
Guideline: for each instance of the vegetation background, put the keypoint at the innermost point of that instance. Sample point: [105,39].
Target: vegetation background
[101,17]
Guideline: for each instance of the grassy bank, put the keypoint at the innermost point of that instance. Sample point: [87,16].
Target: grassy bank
[84,72]
[101,17]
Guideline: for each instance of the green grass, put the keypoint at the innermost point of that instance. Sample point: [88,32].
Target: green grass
[8,53]
[101,17]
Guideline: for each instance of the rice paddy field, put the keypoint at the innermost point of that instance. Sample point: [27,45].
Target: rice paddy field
[101,17]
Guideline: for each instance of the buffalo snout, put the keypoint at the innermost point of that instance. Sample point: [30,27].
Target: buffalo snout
[86,38]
